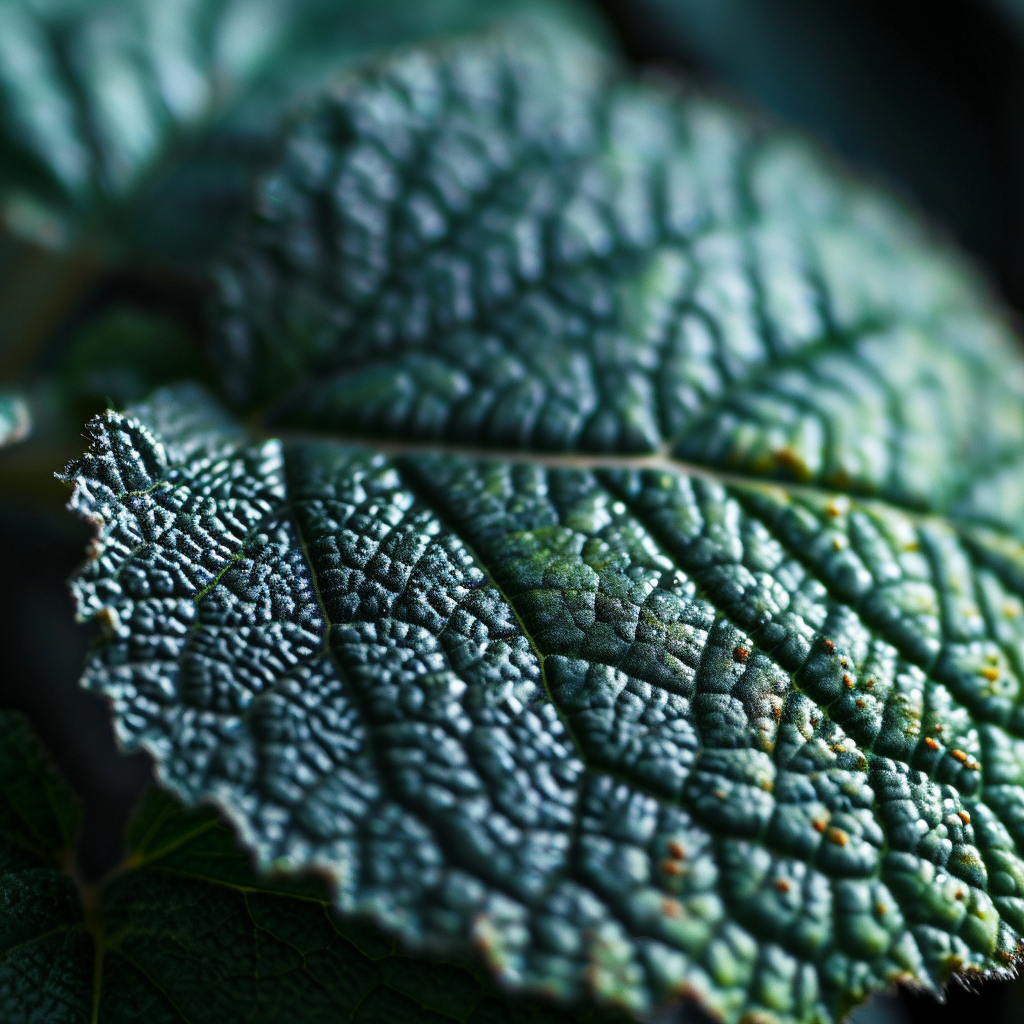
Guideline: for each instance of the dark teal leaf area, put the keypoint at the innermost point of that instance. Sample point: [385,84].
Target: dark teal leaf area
[185,930]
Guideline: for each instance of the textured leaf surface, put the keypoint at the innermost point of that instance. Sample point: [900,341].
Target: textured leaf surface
[15,419]
[185,931]
[140,122]
[632,590]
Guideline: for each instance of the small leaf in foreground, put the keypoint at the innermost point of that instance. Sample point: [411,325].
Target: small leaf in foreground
[185,930]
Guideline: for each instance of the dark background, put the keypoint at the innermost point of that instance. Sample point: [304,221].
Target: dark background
[927,96]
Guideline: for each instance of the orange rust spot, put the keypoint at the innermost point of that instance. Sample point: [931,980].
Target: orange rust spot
[719,793]
[819,826]
[672,867]
[828,645]
[939,728]
[870,684]
[740,654]
[964,817]
[848,681]
[861,703]
[930,743]
[676,849]
[880,909]
[958,895]
[959,755]
[837,836]
[990,673]
[782,885]
[788,459]
[671,908]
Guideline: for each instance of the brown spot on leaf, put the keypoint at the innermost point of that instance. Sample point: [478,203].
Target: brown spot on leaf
[786,458]
[671,908]
[837,836]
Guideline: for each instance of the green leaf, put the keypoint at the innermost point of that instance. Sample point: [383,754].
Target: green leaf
[15,419]
[185,931]
[135,125]
[623,576]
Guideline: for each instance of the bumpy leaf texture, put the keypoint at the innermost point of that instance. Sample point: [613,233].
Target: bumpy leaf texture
[15,419]
[137,123]
[629,582]
[186,931]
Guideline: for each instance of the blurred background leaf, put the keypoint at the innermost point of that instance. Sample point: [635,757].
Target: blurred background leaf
[131,131]
[135,125]
[927,94]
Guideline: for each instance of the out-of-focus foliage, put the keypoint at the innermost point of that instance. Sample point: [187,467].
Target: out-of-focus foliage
[927,95]
[135,125]
[131,132]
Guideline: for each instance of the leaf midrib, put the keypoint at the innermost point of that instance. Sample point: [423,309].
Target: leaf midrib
[659,461]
